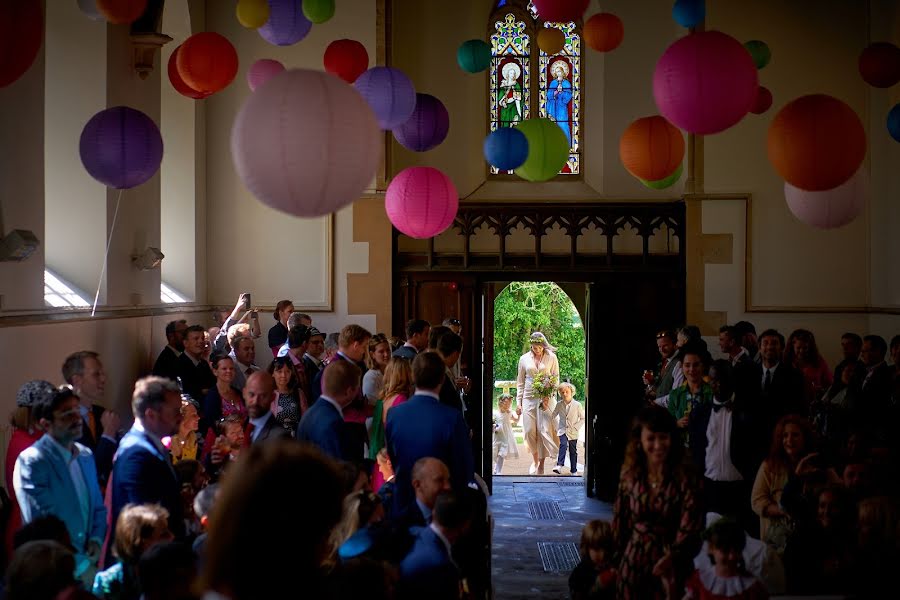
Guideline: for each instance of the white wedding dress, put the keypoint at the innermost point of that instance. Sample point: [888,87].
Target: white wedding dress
[538,425]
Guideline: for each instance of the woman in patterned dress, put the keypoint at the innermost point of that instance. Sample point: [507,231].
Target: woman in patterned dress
[658,514]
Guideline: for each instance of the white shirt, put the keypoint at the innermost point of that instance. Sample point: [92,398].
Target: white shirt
[156,441]
[81,490]
[177,352]
[258,424]
[718,449]
[771,370]
[334,403]
[738,356]
[315,360]
[428,393]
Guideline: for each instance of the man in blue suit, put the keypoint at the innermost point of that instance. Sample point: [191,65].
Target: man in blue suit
[417,332]
[57,476]
[422,427]
[323,424]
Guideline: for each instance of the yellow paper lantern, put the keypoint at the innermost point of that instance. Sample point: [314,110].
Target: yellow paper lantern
[551,40]
[252,14]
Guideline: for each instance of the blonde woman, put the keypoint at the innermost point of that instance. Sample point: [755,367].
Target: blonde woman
[396,390]
[537,420]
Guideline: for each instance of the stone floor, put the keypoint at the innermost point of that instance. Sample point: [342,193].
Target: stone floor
[516,563]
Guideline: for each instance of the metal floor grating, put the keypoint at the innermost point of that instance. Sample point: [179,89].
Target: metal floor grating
[545,511]
[558,556]
[571,483]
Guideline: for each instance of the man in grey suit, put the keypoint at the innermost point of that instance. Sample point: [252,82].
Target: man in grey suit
[259,393]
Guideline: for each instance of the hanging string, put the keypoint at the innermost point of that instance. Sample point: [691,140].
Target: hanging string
[106,255]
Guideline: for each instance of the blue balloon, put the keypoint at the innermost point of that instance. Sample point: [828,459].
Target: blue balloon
[506,148]
[893,122]
[689,13]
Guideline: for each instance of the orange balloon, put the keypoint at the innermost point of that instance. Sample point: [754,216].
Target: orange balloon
[651,148]
[551,40]
[122,12]
[207,62]
[604,32]
[816,142]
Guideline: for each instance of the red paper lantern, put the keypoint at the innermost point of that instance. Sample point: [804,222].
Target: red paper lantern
[604,32]
[21,32]
[178,83]
[207,62]
[763,101]
[561,11]
[347,59]
[122,12]
[651,148]
[879,64]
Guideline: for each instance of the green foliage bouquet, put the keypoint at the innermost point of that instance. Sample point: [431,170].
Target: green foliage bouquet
[544,384]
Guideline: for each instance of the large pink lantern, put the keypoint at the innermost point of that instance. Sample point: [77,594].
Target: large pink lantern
[705,82]
[831,208]
[421,202]
[306,143]
[261,71]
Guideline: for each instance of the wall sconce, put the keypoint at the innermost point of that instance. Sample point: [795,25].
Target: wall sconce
[146,39]
[150,259]
[18,245]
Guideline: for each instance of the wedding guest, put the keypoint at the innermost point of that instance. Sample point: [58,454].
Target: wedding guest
[692,395]
[223,398]
[571,419]
[595,576]
[781,387]
[40,570]
[538,427]
[262,426]
[166,571]
[397,388]
[875,394]
[330,347]
[851,346]
[730,345]
[803,354]
[434,336]
[295,320]
[747,332]
[315,352]
[377,356]
[286,408]
[726,577]
[297,345]
[243,353]
[876,554]
[323,424]
[362,512]
[166,364]
[185,444]
[449,348]
[279,332]
[668,370]
[417,332]
[247,315]
[196,376]
[504,438]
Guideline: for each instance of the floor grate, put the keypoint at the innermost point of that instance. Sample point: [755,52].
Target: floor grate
[545,511]
[571,484]
[556,556]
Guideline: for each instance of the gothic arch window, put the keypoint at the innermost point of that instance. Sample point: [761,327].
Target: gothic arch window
[518,92]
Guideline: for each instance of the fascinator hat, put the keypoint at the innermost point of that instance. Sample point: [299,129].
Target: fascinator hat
[539,338]
[33,391]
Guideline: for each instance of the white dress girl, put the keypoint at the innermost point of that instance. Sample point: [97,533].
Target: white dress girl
[504,438]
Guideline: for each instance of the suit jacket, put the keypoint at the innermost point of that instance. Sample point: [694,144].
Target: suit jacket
[428,570]
[786,395]
[166,364]
[323,426]
[272,430]
[406,352]
[745,444]
[43,486]
[450,395]
[311,367]
[422,427]
[195,378]
[316,386]
[240,377]
[874,403]
[103,449]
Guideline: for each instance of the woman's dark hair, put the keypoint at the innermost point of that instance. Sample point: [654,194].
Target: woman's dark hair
[658,420]
[216,358]
[282,304]
[726,534]
[804,335]
[44,407]
[283,362]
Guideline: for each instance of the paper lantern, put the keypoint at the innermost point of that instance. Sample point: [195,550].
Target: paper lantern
[252,14]
[759,52]
[816,142]
[705,82]
[90,10]
[651,148]
[763,101]
[427,127]
[261,71]
[318,11]
[832,208]
[548,149]
[178,83]
[21,32]
[666,182]
[286,25]
[306,143]
[421,202]
[390,93]
[604,32]
[121,147]
[893,122]
[560,11]
[207,62]
[551,40]
[473,56]
[689,13]
[347,59]
[506,148]
[879,64]
[122,12]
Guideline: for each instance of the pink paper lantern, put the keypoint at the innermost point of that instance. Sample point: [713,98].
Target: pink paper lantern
[261,71]
[421,202]
[705,82]
[306,143]
[831,208]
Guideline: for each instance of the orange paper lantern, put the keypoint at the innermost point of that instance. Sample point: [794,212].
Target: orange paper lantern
[551,40]
[122,12]
[816,142]
[651,148]
[604,32]
[207,62]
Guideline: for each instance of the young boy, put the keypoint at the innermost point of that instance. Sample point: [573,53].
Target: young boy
[595,577]
[571,418]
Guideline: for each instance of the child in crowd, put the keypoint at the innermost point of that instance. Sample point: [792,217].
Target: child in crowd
[571,419]
[595,578]
[504,436]
[726,577]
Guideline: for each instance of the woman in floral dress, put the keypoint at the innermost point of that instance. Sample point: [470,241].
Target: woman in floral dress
[537,422]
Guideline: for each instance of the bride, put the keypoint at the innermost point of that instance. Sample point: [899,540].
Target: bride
[537,424]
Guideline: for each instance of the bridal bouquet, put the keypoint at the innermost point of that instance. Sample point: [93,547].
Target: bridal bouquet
[544,384]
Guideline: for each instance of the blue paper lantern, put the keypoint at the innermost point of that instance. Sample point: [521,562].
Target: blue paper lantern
[506,149]
[286,25]
[427,127]
[390,93]
[893,122]
[689,13]
[121,147]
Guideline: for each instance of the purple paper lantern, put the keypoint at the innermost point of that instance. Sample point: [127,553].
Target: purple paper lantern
[831,208]
[427,127]
[390,93]
[286,24]
[421,202]
[261,71]
[121,147]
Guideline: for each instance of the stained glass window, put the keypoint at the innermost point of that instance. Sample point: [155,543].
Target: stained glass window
[510,73]
[560,91]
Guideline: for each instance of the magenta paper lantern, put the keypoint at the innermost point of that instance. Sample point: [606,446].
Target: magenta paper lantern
[421,202]
[427,127]
[306,143]
[390,93]
[831,208]
[261,71]
[705,82]
[121,147]
[286,25]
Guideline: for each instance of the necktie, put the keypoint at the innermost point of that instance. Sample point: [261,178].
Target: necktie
[768,380]
[665,362]
[92,424]
[248,434]
[248,372]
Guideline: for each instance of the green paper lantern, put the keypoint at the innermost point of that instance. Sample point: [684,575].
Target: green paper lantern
[760,52]
[548,149]
[474,56]
[662,184]
[318,11]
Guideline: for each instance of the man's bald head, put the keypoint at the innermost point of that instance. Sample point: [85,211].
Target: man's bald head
[259,392]
[430,477]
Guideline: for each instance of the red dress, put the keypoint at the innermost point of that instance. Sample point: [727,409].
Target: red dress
[20,440]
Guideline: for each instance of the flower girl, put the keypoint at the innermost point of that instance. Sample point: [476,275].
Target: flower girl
[504,437]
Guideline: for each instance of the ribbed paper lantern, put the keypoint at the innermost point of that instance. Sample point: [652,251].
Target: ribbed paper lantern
[551,40]
[261,71]
[421,202]
[548,149]
[121,147]
[830,208]
[689,13]
[879,64]
[816,142]
[347,59]
[473,56]
[178,83]
[207,62]
[252,14]
[604,32]
[651,148]
[318,11]
[893,122]
[21,32]
[759,52]
[506,148]
[427,127]
[560,11]
[122,12]
[390,93]
[705,82]
[90,10]
[286,25]
[763,101]
[306,143]
[665,183]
